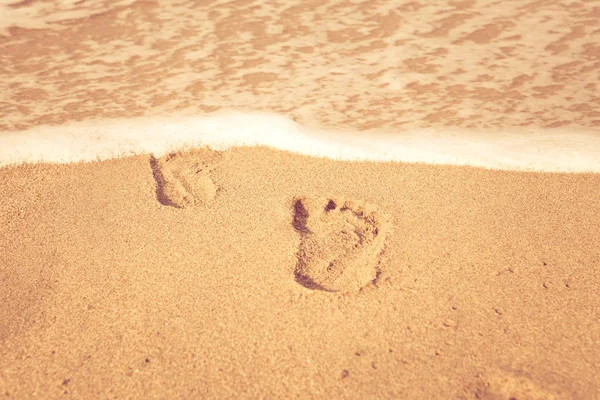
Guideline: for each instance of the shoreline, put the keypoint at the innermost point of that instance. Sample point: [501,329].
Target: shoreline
[544,150]
[334,199]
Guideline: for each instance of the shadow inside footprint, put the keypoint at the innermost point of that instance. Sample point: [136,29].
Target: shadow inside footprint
[341,242]
[183,179]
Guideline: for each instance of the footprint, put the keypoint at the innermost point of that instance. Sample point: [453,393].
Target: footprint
[511,387]
[183,178]
[341,242]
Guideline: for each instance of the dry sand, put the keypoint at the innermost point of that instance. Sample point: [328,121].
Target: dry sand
[487,286]
[260,273]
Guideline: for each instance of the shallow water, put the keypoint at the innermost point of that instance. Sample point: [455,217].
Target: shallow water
[509,84]
[545,150]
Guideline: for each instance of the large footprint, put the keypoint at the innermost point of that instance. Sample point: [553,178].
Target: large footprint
[341,242]
[183,179]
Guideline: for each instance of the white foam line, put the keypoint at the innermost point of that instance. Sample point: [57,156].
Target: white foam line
[545,150]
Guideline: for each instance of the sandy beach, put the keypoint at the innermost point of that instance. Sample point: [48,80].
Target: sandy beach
[395,200]
[486,286]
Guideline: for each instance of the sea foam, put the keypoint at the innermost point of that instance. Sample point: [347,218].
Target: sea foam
[550,150]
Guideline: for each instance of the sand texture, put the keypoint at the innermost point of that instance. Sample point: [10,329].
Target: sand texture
[228,271]
[462,282]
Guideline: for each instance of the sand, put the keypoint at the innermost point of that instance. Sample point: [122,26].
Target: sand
[486,287]
[400,199]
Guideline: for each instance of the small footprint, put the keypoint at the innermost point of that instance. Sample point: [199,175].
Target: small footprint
[183,178]
[341,242]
